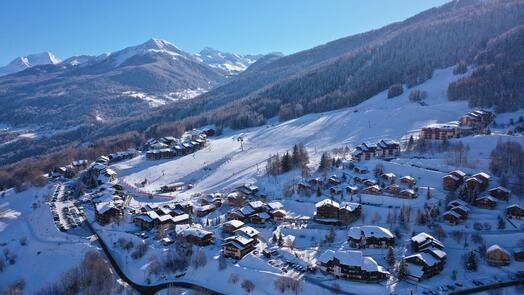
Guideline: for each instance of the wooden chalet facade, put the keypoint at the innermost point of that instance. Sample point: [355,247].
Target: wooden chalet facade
[352,265]
[515,211]
[331,212]
[500,193]
[486,202]
[424,241]
[440,131]
[370,236]
[497,256]
[453,180]
[425,264]
[385,148]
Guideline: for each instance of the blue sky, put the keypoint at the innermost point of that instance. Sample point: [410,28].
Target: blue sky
[72,27]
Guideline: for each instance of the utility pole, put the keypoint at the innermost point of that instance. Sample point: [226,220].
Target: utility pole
[241,140]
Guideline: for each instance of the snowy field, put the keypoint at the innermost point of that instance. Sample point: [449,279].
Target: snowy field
[47,252]
[223,164]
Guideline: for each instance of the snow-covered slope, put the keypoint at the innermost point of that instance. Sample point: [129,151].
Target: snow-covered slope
[223,164]
[231,63]
[151,46]
[24,62]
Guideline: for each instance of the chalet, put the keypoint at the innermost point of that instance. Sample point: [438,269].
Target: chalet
[237,246]
[143,221]
[518,254]
[232,225]
[327,211]
[336,191]
[106,212]
[334,180]
[424,241]
[389,148]
[370,236]
[177,186]
[79,164]
[497,256]
[500,193]
[205,210]
[408,180]
[372,190]
[463,211]
[106,175]
[248,232]
[273,206]
[259,218]
[315,182]
[247,190]
[369,182]
[209,131]
[408,194]
[235,199]
[478,120]
[423,265]
[102,160]
[360,170]
[484,178]
[303,187]
[392,189]
[453,180]
[194,234]
[474,184]
[349,212]
[452,217]
[389,178]
[486,202]
[352,190]
[455,203]
[366,151]
[440,131]
[236,215]
[278,215]
[515,211]
[352,265]
[257,206]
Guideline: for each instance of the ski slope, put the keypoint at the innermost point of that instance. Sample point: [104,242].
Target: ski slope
[223,164]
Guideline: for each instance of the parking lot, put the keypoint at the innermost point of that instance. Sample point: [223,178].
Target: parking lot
[65,213]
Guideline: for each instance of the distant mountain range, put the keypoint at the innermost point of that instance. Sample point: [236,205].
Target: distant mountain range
[84,89]
[24,62]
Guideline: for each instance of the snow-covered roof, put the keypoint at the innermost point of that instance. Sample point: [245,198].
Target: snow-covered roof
[501,188]
[436,252]
[275,205]
[415,270]
[496,247]
[457,202]
[355,232]
[247,231]
[483,175]
[195,231]
[427,258]
[350,206]
[352,258]
[256,204]
[234,223]
[452,213]
[327,202]
[422,237]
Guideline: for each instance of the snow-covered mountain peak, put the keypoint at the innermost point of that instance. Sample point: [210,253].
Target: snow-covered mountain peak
[152,45]
[231,63]
[24,62]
